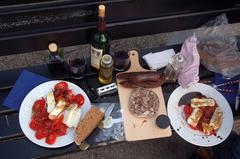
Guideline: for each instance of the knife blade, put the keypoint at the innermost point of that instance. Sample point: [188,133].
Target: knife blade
[237,97]
[109,111]
[108,121]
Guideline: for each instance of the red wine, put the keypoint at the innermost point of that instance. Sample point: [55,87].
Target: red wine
[121,61]
[55,67]
[77,68]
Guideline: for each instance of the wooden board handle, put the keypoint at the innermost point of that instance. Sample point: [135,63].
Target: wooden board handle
[134,60]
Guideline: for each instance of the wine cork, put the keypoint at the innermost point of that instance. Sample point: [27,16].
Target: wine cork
[101,10]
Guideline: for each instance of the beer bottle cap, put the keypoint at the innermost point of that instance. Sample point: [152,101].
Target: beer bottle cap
[53,47]
[101,11]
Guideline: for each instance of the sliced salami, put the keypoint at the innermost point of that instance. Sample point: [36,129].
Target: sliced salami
[143,103]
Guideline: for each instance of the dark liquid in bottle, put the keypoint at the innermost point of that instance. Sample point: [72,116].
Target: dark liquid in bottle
[77,68]
[55,67]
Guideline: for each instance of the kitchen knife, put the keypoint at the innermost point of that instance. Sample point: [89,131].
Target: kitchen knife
[109,111]
[108,121]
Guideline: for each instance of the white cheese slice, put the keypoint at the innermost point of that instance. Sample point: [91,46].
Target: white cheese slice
[72,116]
[57,110]
[50,102]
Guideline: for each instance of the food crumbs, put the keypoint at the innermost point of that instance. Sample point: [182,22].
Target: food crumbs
[144,121]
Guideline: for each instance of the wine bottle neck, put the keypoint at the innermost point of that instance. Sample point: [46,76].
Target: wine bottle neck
[101,24]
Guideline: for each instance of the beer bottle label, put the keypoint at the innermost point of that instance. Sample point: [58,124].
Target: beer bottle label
[96,55]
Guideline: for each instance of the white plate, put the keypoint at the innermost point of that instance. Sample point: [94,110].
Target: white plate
[180,125]
[26,110]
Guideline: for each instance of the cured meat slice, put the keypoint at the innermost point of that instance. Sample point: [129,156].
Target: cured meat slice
[143,103]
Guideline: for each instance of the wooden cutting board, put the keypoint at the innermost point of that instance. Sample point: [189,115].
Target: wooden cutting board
[137,128]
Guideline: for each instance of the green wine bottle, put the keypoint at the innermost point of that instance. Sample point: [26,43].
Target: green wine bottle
[100,43]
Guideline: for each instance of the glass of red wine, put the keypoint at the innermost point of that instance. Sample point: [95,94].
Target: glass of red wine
[77,65]
[121,60]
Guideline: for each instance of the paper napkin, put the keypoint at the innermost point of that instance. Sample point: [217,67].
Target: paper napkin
[24,84]
[158,60]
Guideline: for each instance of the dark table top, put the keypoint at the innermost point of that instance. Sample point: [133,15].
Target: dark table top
[11,135]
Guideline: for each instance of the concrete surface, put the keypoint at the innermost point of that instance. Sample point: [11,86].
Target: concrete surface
[173,147]
[166,148]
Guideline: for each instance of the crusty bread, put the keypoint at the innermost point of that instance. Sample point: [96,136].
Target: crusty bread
[88,124]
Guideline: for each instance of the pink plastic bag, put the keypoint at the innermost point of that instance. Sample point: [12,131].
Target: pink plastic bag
[190,68]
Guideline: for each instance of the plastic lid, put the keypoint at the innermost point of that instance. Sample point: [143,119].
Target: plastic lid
[163,121]
[53,47]
[101,10]
[107,59]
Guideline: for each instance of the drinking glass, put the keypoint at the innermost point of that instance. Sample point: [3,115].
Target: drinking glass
[121,60]
[77,65]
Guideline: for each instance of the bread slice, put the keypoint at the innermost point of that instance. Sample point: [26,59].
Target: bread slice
[88,124]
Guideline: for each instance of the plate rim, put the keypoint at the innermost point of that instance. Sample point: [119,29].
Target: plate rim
[70,130]
[180,132]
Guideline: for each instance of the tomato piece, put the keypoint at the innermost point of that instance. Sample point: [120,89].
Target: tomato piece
[41,133]
[60,97]
[33,124]
[48,123]
[39,105]
[79,100]
[55,126]
[194,128]
[59,119]
[187,110]
[58,92]
[62,130]
[43,114]
[51,139]
[57,123]
[69,96]
[61,85]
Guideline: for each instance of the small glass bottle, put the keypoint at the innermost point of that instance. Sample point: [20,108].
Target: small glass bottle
[173,68]
[106,69]
[55,60]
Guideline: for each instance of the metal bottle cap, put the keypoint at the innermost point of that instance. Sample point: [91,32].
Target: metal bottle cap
[53,47]
[106,59]
[180,58]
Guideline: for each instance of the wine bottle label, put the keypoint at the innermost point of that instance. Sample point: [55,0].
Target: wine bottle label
[96,55]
